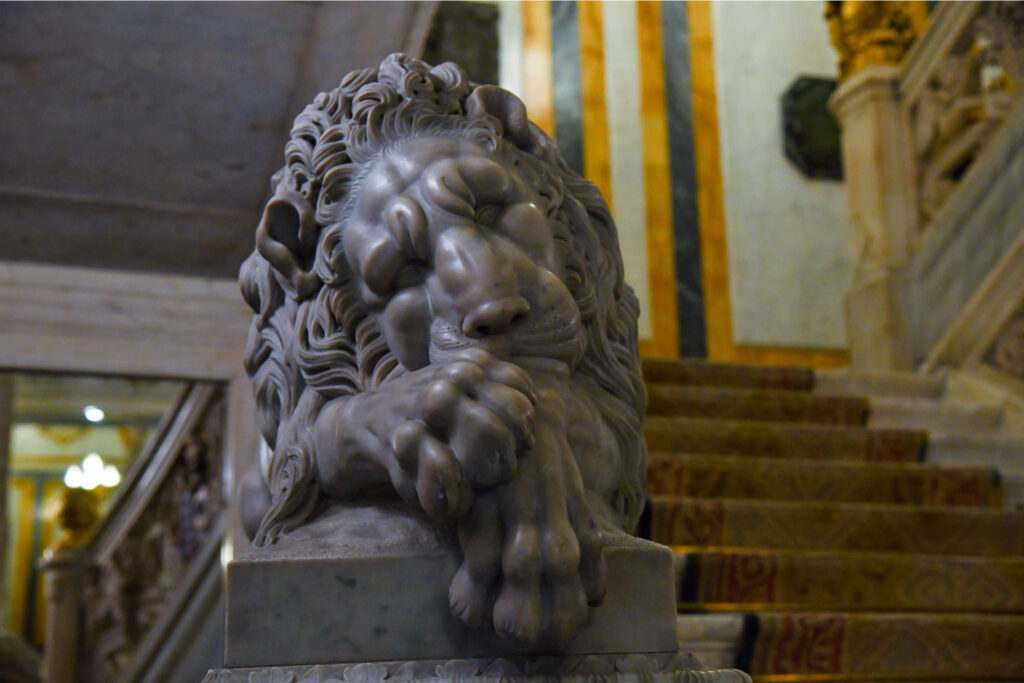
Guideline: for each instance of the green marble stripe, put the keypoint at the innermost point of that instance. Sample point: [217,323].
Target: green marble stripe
[565,66]
[686,228]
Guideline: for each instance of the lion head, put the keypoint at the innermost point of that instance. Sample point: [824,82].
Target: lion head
[354,286]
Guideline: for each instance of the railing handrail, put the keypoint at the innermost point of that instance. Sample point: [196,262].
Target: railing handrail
[970,191]
[130,480]
[149,472]
[206,561]
[946,24]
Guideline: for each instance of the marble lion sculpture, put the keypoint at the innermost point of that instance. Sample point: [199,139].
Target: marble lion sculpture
[441,319]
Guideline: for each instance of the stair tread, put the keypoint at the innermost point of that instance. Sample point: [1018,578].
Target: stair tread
[846,382]
[832,544]
[918,413]
[994,441]
[780,439]
[738,476]
[808,525]
[1005,453]
[754,404]
[902,645]
[693,371]
[848,580]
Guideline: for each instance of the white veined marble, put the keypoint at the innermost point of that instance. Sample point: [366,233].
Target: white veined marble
[626,148]
[787,236]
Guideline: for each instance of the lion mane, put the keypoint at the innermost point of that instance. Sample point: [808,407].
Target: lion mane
[315,341]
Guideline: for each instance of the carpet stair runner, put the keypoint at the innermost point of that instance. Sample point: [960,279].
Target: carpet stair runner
[830,550]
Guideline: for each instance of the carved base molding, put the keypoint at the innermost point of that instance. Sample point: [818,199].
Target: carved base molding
[666,667]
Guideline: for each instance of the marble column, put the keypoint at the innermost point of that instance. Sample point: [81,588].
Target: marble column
[883,216]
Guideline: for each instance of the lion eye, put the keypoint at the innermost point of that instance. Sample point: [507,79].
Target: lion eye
[411,275]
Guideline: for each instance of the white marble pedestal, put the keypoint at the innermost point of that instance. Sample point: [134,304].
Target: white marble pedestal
[361,594]
[597,668]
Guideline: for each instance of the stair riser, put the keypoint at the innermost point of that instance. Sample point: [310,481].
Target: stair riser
[714,476]
[740,580]
[776,440]
[736,376]
[813,526]
[934,416]
[714,639]
[778,406]
[898,646]
[851,383]
[1008,458]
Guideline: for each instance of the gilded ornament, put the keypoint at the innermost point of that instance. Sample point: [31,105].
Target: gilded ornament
[873,33]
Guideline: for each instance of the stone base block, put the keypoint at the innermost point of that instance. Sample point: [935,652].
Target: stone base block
[664,668]
[370,584]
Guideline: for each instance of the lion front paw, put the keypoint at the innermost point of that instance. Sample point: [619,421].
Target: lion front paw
[532,549]
[467,422]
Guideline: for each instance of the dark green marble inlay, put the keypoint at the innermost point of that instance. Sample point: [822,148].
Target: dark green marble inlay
[565,66]
[686,227]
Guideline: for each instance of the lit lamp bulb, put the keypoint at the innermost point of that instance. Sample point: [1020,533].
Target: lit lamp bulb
[92,467]
[110,477]
[74,477]
[91,474]
[93,414]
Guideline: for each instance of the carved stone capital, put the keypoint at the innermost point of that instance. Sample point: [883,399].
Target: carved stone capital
[873,33]
[876,83]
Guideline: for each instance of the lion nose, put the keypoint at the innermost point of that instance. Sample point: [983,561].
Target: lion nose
[495,317]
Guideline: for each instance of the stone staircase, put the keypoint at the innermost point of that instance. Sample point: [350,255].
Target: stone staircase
[838,526]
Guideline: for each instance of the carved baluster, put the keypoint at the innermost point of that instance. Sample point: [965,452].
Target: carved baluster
[105,597]
[64,570]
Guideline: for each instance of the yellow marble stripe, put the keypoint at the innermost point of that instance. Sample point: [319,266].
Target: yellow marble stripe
[710,207]
[658,186]
[596,157]
[538,83]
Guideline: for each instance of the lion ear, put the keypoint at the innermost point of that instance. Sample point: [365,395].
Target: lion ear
[507,108]
[287,238]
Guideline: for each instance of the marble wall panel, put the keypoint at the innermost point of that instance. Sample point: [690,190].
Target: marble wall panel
[788,254]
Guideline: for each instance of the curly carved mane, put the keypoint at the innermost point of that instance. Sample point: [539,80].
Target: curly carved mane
[315,342]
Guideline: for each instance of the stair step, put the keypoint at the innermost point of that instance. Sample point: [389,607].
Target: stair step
[714,639]
[698,522]
[847,382]
[1011,491]
[1005,453]
[727,375]
[754,404]
[717,476]
[778,440]
[914,413]
[738,579]
[848,646]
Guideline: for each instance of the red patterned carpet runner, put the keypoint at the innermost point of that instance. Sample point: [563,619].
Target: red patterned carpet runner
[851,557]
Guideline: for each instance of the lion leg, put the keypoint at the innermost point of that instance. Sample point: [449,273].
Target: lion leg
[593,568]
[542,590]
[567,602]
[519,608]
[471,591]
